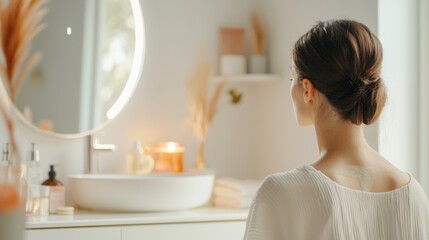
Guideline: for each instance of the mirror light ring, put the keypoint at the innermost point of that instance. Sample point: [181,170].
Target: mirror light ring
[136,66]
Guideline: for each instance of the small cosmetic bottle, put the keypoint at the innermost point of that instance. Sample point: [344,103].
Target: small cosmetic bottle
[5,160]
[34,168]
[140,162]
[40,201]
[34,176]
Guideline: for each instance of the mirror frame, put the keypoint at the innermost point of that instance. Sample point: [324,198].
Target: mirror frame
[127,91]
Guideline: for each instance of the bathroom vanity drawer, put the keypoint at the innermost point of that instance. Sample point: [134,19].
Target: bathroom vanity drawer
[232,230]
[85,233]
[229,230]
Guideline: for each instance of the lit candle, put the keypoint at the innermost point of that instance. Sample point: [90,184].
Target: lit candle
[168,157]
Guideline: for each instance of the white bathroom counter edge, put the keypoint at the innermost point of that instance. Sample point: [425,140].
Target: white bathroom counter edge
[91,219]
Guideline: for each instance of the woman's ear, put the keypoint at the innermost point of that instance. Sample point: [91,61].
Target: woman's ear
[310,91]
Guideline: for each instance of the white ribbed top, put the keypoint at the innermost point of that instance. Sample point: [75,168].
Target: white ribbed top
[306,204]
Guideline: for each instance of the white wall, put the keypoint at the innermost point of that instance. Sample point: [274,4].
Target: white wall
[399,34]
[253,139]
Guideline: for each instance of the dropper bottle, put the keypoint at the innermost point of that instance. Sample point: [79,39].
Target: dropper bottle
[34,168]
[34,178]
[5,152]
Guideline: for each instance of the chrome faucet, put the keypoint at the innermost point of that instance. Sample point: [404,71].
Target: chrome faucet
[94,147]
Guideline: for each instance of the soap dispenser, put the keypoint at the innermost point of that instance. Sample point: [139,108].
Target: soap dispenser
[57,191]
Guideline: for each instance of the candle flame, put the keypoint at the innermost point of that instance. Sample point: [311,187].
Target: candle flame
[171,146]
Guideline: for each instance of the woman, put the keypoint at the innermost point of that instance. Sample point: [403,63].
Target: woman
[351,191]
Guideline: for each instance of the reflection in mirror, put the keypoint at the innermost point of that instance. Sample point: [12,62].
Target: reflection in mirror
[88,55]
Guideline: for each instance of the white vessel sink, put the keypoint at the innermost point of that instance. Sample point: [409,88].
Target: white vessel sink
[140,193]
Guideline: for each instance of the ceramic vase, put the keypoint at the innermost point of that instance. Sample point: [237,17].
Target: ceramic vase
[13,195]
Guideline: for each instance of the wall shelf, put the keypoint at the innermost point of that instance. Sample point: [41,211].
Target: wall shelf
[249,78]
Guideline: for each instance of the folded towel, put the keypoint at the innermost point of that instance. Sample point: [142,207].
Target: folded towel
[228,192]
[231,202]
[236,187]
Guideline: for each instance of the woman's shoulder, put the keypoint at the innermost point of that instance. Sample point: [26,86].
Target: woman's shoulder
[301,174]
[298,187]
[297,178]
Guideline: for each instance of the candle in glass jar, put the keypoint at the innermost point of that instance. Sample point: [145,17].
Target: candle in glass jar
[168,157]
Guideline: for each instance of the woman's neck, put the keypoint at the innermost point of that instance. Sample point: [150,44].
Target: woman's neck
[335,136]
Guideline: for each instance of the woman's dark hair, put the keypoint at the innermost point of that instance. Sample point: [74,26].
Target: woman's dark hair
[342,59]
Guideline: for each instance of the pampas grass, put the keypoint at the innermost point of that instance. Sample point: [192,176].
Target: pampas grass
[21,21]
[258,36]
[202,110]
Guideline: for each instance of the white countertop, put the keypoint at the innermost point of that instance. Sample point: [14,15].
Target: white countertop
[88,218]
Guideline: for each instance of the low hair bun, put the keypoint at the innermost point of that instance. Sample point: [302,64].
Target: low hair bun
[373,101]
[342,58]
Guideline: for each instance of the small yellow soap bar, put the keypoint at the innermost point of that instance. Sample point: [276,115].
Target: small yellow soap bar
[65,210]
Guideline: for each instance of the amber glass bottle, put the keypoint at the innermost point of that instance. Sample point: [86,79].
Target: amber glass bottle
[57,192]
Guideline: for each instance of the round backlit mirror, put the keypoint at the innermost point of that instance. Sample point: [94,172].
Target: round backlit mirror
[92,54]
